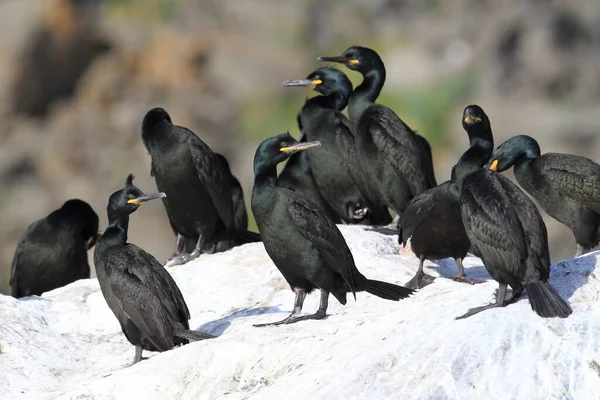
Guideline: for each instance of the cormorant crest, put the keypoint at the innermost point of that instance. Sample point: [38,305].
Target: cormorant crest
[129,181]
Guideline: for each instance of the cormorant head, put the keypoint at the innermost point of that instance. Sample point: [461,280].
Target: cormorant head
[325,81]
[474,117]
[276,149]
[84,214]
[357,58]
[516,149]
[153,120]
[128,199]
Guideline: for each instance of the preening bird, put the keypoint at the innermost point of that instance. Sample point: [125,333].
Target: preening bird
[433,219]
[335,166]
[137,288]
[508,233]
[397,162]
[566,186]
[307,247]
[199,201]
[53,250]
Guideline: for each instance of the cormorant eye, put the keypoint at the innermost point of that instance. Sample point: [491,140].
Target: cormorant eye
[284,144]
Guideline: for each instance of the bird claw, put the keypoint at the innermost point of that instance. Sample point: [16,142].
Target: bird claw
[465,279]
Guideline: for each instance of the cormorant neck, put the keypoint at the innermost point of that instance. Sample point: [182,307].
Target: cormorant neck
[265,173]
[367,92]
[472,160]
[116,233]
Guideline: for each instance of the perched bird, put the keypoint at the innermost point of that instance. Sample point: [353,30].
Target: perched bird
[397,162]
[139,291]
[567,187]
[53,250]
[306,247]
[199,200]
[433,219]
[297,176]
[335,167]
[508,233]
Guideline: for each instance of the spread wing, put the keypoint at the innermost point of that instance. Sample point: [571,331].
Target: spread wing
[491,222]
[397,144]
[416,211]
[577,178]
[147,293]
[327,238]
[214,177]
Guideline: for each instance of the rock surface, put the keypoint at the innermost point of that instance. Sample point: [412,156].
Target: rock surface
[68,345]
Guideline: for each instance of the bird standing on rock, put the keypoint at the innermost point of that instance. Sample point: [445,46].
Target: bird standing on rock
[307,248]
[433,219]
[566,186]
[137,288]
[508,233]
[53,251]
[334,165]
[397,162]
[199,201]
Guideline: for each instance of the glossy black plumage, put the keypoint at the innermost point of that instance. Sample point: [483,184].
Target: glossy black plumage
[137,288]
[240,215]
[297,176]
[566,186]
[306,246]
[199,200]
[53,250]
[396,161]
[433,219]
[508,233]
[335,166]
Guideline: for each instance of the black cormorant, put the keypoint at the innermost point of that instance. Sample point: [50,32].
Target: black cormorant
[199,201]
[297,176]
[335,167]
[433,218]
[53,250]
[398,161]
[137,288]
[566,186]
[508,233]
[240,215]
[306,247]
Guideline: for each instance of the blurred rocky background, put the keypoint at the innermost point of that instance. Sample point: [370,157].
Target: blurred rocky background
[77,76]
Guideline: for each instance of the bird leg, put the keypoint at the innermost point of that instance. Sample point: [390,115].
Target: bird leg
[396,221]
[511,295]
[184,258]
[138,355]
[462,277]
[298,302]
[500,302]
[179,245]
[417,281]
[581,250]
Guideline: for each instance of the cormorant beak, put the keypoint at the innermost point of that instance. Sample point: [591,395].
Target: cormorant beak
[146,197]
[311,83]
[471,119]
[340,60]
[494,165]
[300,146]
